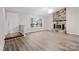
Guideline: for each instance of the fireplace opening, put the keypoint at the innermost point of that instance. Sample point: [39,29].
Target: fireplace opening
[62,26]
[59,26]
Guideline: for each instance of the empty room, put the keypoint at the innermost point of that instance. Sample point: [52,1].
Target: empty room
[39,29]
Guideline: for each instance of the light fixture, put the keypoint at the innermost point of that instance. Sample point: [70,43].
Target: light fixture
[50,10]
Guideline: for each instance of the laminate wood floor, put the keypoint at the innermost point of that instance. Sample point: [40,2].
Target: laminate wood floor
[43,41]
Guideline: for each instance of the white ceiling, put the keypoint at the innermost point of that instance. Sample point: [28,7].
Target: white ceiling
[32,10]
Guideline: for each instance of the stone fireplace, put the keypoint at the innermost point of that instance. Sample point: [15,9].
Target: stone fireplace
[59,20]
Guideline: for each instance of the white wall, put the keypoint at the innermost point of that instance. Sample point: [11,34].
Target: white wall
[26,21]
[2,27]
[12,22]
[73,20]
[50,22]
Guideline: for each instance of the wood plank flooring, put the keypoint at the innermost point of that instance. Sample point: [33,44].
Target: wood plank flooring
[43,41]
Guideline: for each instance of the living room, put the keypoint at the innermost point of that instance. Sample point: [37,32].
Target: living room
[39,24]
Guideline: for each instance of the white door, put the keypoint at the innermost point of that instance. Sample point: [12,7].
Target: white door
[13,22]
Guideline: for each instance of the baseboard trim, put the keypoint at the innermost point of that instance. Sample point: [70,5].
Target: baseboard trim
[37,31]
[73,35]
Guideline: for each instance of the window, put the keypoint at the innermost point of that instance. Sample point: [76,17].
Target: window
[36,22]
